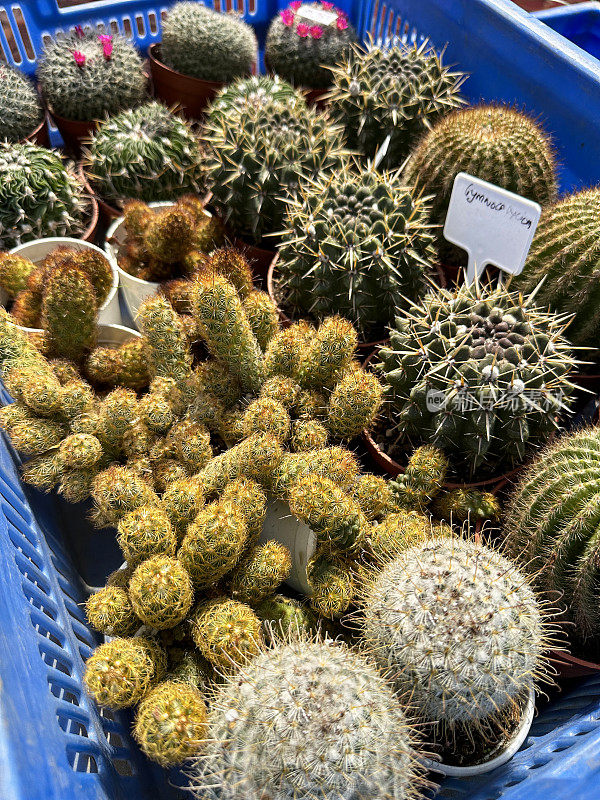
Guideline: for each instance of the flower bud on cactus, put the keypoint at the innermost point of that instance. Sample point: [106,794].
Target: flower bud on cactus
[387,97]
[109,611]
[354,740]
[117,491]
[226,632]
[80,450]
[354,404]
[20,108]
[332,586]
[39,195]
[161,592]
[308,434]
[329,354]
[261,572]
[146,532]
[191,31]
[170,723]
[262,315]
[120,673]
[267,416]
[374,496]
[14,269]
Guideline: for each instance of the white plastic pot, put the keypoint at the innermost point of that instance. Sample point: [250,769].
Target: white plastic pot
[135,290]
[282,526]
[36,250]
[509,751]
[116,335]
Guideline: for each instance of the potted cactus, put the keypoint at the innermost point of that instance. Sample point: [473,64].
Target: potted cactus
[146,153]
[201,50]
[303,40]
[22,117]
[86,76]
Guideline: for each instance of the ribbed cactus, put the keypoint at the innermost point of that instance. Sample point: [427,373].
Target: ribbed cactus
[87,75]
[564,254]
[480,373]
[300,46]
[496,143]
[386,98]
[39,195]
[366,263]
[260,153]
[461,635]
[192,31]
[551,525]
[145,153]
[20,108]
[354,740]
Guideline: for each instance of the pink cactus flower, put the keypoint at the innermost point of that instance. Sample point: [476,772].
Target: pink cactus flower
[295,5]
[316,32]
[79,58]
[341,23]
[327,6]
[287,17]
[107,45]
[79,32]
[103,38]
[302,30]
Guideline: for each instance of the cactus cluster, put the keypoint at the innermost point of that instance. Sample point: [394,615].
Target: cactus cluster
[357,243]
[86,75]
[481,373]
[40,195]
[206,44]
[304,39]
[20,108]
[386,98]
[145,153]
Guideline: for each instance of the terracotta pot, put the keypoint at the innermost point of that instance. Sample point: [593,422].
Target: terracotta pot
[40,135]
[316,97]
[89,234]
[73,131]
[569,666]
[260,258]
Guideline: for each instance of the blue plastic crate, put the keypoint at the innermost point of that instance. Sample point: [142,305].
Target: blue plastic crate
[54,743]
[579,24]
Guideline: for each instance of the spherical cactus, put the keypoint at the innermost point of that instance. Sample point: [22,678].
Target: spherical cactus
[87,76]
[396,532]
[146,532]
[226,632]
[386,98]
[192,444]
[283,390]
[267,416]
[43,472]
[20,108]
[145,153]
[261,572]
[259,153]
[551,526]
[308,434]
[14,272]
[284,617]
[300,48]
[191,31]
[423,478]
[80,450]
[170,723]
[365,265]
[459,632]
[354,404]
[110,611]
[564,254]
[354,740]
[119,673]
[257,90]
[118,490]
[496,143]
[39,196]
[479,373]
[161,592]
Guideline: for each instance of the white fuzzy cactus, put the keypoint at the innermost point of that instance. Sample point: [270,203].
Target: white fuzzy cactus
[457,629]
[307,719]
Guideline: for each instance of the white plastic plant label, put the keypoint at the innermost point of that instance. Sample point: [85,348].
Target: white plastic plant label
[493,225]
[318,16]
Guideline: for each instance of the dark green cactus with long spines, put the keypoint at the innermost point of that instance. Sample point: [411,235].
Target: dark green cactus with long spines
[386,98]
[20,108]
[87,75]
[356,244]
[480,373]
[300,49]
[565,255]
[39,195]
[192,30]
[145,153]
[551,526]
[258,154]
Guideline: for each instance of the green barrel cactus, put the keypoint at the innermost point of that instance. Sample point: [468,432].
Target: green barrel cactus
[205,44]
[20,108]
[145,153]
[304,39]
[357,244]
[478,372]
[386,98]
[254,91]
[89,75]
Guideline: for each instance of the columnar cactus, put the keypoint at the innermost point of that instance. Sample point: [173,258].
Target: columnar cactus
[369,261]
[354,740]
[386,98]
[479,373]
[87,75]
[145,153]
[191,31]
[20,108]
[39,195]
[304,40]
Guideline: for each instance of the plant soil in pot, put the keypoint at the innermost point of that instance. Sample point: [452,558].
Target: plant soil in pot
[22,117]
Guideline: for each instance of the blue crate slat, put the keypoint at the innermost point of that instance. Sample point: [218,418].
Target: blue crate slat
[579,24]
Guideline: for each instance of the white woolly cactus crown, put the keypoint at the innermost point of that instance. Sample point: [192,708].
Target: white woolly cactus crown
[308,719]
[457,629]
